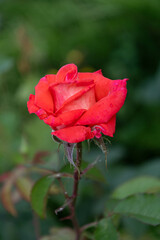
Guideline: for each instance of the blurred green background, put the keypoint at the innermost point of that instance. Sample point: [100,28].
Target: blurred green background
[118,36]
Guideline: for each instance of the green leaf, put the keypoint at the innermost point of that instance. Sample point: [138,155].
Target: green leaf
[138,185]
[145,208]
[105,230]
[24,186]
[39,194]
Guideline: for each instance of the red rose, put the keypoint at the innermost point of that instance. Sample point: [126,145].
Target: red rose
[78,106]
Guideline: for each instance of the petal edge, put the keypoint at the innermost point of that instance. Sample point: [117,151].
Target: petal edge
[74,134]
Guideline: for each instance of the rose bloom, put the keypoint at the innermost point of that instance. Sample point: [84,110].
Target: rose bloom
[78,106]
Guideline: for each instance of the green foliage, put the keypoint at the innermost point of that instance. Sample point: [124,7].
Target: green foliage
[106,230]
[39,195]
[122,38]
[145,208]
[137,185]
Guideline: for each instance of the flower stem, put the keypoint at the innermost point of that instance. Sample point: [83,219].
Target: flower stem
[71,200]
[75,191]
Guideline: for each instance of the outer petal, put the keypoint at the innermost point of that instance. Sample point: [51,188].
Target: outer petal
[102,84]
[41,114]
[52,121]
[102,87]
[67,73]
[32,108]
[74,134]
[83,76]
[107,107]
[64,119]
[107,129]
[99,71]
[43,97]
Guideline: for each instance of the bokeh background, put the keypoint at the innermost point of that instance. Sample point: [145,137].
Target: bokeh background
[118,36]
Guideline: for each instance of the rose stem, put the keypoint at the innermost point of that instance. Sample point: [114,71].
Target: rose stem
[75,191]
[76,178]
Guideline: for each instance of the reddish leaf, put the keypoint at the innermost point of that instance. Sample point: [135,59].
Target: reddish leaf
[6,196]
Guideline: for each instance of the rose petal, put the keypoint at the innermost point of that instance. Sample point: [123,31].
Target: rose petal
[102,84]
[107,129]
[32,108]
[70,117]
[43,97]
[64,94]
[67,73]
[102,87]
[51,78]
[52,121]
[83,76]
[103,110]
[83,99]
[74,134]
[99,71]
[64,119]
[41,114]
